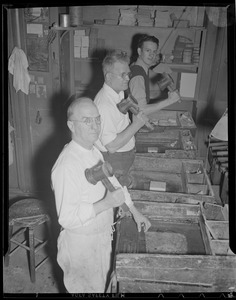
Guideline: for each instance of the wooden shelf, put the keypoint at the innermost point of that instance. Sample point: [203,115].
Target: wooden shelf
[148,27]
[192,68]
[126,26]
[70,28]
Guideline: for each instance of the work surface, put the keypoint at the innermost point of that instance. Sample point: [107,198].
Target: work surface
[178,253]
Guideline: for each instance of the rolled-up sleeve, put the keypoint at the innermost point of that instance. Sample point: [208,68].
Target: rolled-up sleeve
[137,89]
[72,209]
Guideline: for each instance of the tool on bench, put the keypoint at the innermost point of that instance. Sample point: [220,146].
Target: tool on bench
[131,104]
[101,172]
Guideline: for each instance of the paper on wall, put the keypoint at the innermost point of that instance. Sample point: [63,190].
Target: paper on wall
[188,84]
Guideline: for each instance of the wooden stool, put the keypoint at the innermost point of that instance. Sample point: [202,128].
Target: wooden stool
[28,214]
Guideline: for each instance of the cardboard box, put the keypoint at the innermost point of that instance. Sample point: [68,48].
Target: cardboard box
[85,41]
[84,52]
[77,52]
[77,40]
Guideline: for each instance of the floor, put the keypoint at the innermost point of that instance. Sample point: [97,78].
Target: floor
[16,277]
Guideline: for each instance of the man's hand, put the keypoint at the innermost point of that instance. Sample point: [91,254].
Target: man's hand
[145,120]
[140,220]
[116,198]
[173,97]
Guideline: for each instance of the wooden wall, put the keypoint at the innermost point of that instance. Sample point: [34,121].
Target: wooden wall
[38,121]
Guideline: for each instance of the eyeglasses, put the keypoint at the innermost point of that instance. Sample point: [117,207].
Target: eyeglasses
[123,75]
[89,120]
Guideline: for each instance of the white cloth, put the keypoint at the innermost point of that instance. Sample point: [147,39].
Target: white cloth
[18,67]
[113,121]
[84,244]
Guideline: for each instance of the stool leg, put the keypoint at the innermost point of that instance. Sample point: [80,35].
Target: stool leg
[32,254]
[7,255]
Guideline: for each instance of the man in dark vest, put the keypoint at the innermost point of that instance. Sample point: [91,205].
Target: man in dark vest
[139,79]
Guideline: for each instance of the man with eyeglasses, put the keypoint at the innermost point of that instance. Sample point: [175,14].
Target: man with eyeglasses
[116,140]
[85,211]
[139,82]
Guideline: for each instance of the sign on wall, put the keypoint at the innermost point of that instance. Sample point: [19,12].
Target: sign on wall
[37,24]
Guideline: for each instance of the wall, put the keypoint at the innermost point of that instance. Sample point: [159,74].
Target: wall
[213,97]
[39,123]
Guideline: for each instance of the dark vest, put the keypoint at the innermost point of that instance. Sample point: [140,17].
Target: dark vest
[137,70]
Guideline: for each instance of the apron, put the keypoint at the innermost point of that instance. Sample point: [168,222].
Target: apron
[89,273]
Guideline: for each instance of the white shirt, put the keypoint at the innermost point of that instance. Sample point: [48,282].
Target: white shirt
[74,195]
[113,121]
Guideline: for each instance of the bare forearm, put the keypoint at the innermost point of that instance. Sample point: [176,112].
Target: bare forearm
[152,108]
[123,137]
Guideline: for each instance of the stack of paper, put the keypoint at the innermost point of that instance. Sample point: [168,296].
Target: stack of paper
[144,17]
[162,19]
[128,17]
[81,44]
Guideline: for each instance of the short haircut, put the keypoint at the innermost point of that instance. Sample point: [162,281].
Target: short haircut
[147,38]
[112,57]
[75,101]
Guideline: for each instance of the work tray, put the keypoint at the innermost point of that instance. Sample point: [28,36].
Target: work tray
[170,180]
[174,255]
[169,143]
[171,119]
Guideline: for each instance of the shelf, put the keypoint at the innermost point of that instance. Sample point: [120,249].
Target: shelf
[183,67]
[148,27]
[70,28]
[126,26]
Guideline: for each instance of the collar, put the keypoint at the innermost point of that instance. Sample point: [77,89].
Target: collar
[77,146]
[112,94]
[140,63]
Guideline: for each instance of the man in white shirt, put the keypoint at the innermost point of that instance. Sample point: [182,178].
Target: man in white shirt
[85,211]
[116,140]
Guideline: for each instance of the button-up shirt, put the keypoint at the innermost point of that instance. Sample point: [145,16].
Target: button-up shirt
[112,120]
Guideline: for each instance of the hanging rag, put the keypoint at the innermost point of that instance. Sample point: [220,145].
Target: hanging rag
[10,143]
[18,67]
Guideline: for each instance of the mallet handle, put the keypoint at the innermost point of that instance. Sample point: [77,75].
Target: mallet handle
[111,188]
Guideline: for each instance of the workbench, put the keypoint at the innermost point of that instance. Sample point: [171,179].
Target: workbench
[179,253]
[170,180]
[166,143]
[171,119]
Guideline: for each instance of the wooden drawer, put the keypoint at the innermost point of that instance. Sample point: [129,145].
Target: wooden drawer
[175,255]
[183,179]
[169,143]
[171,119]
